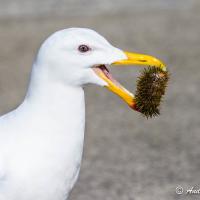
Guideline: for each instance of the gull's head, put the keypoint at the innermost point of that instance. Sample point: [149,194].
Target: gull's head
[71,55]
[77,56]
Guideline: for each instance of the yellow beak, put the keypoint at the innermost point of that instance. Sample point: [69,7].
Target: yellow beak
[140,59]
[132,59]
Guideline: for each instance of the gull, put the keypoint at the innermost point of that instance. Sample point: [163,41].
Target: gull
[41,141]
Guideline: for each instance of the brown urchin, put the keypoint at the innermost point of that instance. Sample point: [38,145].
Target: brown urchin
[151,85]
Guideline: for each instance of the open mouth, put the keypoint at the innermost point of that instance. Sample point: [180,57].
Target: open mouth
[133,59]
[113,85]
[103,69]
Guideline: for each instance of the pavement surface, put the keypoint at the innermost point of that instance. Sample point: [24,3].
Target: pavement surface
[126,157]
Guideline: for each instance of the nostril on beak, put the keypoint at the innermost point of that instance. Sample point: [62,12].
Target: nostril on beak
[142,61]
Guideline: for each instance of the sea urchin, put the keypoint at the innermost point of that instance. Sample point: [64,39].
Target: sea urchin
[151,85]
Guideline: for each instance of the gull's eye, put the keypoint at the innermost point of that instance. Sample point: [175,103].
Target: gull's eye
[83,48]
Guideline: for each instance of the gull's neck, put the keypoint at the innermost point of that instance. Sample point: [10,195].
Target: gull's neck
[59,104]
[50,127]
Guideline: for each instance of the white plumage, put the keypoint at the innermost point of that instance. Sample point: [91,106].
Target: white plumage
[41,142]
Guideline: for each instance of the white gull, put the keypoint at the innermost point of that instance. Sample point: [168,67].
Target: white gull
[41,142]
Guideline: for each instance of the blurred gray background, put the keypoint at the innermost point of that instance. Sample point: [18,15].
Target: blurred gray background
[126,157]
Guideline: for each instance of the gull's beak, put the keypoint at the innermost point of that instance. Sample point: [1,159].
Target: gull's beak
[140,59]
[132,59]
